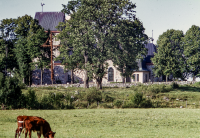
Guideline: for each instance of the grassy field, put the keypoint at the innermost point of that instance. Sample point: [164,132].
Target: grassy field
[109,123]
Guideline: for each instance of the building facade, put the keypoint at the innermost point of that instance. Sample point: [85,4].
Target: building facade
[49,20]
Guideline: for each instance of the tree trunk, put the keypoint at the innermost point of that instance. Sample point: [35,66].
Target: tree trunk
[99,83]
[41,77]
[72,77]
[86,79]
[166,78]
[193,78]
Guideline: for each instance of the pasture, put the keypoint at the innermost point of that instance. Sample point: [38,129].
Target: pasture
[109,123]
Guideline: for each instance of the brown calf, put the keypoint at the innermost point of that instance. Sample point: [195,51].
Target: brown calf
[34,123]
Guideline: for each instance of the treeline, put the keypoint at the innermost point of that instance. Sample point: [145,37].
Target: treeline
[178,54]
[20,44]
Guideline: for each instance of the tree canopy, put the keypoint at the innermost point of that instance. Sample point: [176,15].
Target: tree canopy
[102,30]
[191,44]
[20,43]
[169,57]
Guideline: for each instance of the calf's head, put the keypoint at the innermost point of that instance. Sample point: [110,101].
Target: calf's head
[50,134]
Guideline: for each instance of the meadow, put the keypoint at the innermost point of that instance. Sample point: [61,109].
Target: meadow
[169,116]
[109,123]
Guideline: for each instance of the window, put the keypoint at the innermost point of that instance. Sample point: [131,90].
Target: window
[137,77]
[133,77]
[128,79]
[110,74]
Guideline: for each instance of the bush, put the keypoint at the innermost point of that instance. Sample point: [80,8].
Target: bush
[105,105]
[174,85]
[146,104]
[141,102]
[53,101]
[118,103]
[93,95]
[46,102]
[31,100]
[22,86]
[137,98]
[139,88]
[92,106]
[157,88]
[47,88]
[81,104]
[10,92]
[109,99]
[128,105]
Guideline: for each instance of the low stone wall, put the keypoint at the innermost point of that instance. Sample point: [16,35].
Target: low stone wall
[115,84]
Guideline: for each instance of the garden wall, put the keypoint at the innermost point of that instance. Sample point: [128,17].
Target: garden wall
[115,84]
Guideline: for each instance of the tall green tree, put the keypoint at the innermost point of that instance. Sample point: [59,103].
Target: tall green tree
[191,44]
[70,58]
[30,37]
[96,28]
[7,41]
[169,57]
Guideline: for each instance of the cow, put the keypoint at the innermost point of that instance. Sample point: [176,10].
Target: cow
[20,123]
[34,123]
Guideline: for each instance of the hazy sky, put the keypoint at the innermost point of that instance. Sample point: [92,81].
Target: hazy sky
[156,15]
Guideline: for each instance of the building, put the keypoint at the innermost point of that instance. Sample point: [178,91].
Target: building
[49,20]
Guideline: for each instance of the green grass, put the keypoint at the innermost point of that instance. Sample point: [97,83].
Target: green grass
[108,123]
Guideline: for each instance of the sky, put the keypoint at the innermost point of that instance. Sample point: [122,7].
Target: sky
[156,15]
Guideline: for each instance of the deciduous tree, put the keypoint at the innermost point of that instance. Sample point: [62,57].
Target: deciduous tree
[104,30]
[7,41]
[191,44]
[30,37]
[169,57]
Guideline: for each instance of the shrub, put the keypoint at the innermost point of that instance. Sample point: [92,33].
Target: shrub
[81,104]
[109,99]
[118,103]
[92,106]
[10,92]
[93,95]
[137,98]
[174,85]
[47,88]
[22,86]
[53,101]
[128,105]
[146,103]
[57,99]
[141,102]
[105,105]
[46,102]
[196,83]
[157,88]
[139,88]
[31,99]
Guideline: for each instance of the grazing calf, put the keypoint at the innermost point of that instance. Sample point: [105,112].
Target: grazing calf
[20,123]
[34,123]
